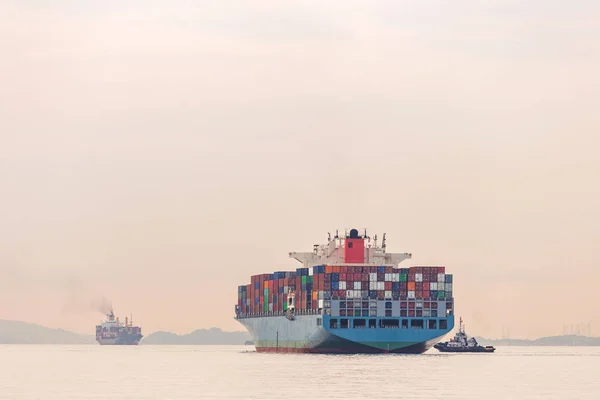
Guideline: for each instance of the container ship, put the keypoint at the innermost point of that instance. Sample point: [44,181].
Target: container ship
[113,332]
[349,297]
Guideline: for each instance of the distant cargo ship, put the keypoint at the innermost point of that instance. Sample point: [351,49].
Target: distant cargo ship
[349,297]
[113,332]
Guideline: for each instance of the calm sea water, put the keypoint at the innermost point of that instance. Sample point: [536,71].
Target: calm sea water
[237,372]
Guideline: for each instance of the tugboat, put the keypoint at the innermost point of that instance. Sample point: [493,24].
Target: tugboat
[462,344]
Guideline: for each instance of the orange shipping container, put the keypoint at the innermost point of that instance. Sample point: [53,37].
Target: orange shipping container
[411,286]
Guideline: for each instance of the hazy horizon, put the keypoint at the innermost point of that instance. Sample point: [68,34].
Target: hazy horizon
[159,154]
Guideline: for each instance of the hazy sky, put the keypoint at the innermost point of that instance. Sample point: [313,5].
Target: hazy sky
[158,153]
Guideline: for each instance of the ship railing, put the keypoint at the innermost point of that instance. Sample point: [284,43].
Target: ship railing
[277,314]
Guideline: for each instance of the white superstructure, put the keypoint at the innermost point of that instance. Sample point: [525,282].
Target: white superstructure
[333,253]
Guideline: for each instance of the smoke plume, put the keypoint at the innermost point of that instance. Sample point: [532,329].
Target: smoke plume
[101,304]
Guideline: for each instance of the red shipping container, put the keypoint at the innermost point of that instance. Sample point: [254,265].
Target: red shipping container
[381,295]
[426,295]
[388,285]
[342,294]
[389,270]
[349,285]
[425,286]
[419,286]
[441,270]
[419,294]
[411,313]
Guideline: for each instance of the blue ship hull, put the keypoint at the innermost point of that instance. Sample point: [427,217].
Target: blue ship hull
[315,334]
[123,340]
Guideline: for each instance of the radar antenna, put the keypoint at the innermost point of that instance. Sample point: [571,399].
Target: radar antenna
[383,243]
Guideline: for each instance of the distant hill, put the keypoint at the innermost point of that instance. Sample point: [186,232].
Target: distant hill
[200,336]
[17,332]
[566,340]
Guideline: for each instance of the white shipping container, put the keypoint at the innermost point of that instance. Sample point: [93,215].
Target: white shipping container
[419,304]
[357,294]
[365,294]
[357,285]
[418,277]
[310,272]
[448,287]
[342,285]
[388,294]
[373,277]
[441,277]
[411,294]
[395,277]
[372,285]
[320,303]
[387,277]
[380,285]
[271,307]
[426,313]
[373,303]
[349,294]
[433,286]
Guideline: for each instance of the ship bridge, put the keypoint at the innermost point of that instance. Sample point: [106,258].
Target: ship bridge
[351,249]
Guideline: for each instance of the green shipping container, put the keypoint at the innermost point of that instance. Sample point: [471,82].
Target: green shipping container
[441,294]
[284,306]
[403,278]
[266,291]
[304,279]
[266,307]
[309,279]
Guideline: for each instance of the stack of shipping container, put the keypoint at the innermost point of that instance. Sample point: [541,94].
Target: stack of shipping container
[357,290]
